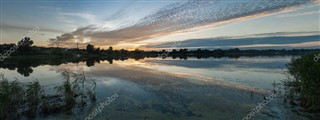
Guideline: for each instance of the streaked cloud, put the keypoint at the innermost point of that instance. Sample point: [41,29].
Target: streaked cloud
[268,40]
[8,27]
[299,14]
[181,16]
[86,16]
[313,44]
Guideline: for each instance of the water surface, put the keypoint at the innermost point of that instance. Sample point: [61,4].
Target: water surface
[154,88]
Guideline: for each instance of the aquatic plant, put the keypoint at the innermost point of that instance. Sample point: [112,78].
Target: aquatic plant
[33,95]
[11,98]
[19,100]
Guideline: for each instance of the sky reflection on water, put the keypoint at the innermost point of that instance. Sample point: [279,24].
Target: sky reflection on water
[172,89]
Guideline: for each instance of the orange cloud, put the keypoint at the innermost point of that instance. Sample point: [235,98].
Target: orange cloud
[178,17]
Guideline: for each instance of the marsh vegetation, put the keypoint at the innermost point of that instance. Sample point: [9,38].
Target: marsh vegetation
[19,100]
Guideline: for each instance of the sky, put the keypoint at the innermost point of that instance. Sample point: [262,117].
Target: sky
[159,24]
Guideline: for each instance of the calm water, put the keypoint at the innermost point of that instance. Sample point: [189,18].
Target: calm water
[154,88]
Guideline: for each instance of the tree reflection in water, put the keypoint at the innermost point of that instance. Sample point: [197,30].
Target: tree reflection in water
[18,100]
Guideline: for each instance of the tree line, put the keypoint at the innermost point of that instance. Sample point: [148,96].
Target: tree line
[91,50]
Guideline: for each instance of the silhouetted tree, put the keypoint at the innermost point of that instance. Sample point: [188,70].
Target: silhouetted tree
[174,51]
[183,51]
[97,51]
[90,49]
[123,52]
[234,50]
[110,50]
[137,51]
[25,45]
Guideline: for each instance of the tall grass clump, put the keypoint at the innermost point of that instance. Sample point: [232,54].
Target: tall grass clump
[20,100]
[11,98]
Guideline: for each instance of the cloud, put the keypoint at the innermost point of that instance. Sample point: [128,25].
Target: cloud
[59,11]
[86,16]
[120,13]
[314,44]
[177,17]
[283,39]
[299,14]
[302,33]
[8,27]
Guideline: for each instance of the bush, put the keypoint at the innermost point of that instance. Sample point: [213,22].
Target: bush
[304,74]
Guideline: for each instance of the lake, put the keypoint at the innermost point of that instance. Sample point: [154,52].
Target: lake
[154,88]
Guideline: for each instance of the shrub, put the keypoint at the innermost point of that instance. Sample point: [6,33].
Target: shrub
[304,77]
